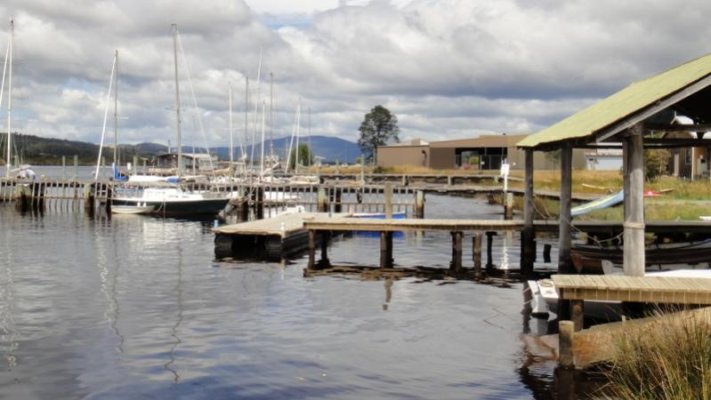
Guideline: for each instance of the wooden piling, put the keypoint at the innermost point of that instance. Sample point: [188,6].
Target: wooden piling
[476,253]
[577,314]
[321,200]
[388,194]
[547,253]
[259,203]
[489,245]
[508,206]
[325,238]
[312,249]
[419,204]
[566,333]
[456,263]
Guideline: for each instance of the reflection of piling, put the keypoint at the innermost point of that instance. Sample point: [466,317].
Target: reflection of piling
[386,249]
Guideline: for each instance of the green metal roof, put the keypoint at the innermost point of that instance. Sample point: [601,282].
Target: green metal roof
[622,104]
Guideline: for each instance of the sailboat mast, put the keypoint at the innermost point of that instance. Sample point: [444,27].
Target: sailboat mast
[177,101]
[261,158]
[246,120]
[116,61]
[232,143]
[298,123]
[271,116]
[8,161]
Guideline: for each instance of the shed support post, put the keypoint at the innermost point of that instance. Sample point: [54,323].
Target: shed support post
[633,152]
[324,262]
[566,188]
[528,245]
[565,265]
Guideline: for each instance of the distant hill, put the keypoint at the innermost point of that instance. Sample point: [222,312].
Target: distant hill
[331,148]
[49,151]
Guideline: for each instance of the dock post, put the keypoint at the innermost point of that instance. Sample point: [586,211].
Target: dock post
[259,203]
[338,205]
[476,253]
[566,333]
[419,204]
[577,311]
[324,262]
[312,249]
[76,167]
[633,153]
[321,200]
[386,249]
[547,253]
[89,198]
[456,263]
[508,206]
[388,195]
[489,244]
[528,234]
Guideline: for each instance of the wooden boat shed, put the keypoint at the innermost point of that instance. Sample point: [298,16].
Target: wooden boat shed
[635,118]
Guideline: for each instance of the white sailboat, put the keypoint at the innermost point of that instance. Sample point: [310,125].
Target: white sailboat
[173,199]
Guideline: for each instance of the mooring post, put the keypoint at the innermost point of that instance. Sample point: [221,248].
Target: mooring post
[456,263]
[476,253]
[388,194]
[312,249]
[76,167]
[565,264]
[419,204]
[528,235]
[566,333]
[489,245]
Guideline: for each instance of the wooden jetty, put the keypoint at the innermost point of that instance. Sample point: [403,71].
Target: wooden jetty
[386,227]
[576,289]
[271,238]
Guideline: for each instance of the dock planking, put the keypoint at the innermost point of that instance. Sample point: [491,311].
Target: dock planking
[409,224]
[271,238]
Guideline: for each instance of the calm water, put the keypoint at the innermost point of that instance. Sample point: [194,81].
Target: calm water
[137,307]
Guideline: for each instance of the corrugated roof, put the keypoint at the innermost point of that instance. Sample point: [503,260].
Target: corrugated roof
[622,104]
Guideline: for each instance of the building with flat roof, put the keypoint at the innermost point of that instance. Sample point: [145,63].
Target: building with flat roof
[486,152]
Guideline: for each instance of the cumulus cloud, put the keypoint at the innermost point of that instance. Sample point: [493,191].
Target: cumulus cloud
[448,68]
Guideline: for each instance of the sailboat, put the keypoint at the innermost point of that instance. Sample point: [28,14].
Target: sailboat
[171,199]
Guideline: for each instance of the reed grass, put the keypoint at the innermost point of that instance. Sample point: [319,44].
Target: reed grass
[672,360]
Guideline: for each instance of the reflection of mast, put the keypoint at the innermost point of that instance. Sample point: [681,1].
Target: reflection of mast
[174,329]
[8,63]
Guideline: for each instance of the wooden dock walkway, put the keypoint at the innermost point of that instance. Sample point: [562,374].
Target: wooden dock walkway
[271,238]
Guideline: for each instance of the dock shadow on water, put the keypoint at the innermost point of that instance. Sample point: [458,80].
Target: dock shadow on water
[137,307]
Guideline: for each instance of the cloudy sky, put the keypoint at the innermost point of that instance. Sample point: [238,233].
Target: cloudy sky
[447,68]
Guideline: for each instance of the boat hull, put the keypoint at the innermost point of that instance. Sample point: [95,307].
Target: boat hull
[185,207]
